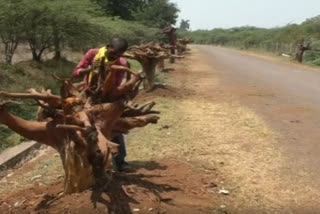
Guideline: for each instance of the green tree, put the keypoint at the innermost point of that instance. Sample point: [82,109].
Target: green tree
[51,25]
[123,9]
[157,13]
[12,16]
[184,25]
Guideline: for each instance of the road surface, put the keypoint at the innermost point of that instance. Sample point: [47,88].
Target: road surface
[285,95]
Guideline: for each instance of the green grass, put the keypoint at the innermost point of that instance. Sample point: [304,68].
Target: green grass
[135,65]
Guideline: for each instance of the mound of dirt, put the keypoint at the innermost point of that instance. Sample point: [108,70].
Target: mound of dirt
[166,187]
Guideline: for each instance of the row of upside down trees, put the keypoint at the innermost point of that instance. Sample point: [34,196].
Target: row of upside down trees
[79,125]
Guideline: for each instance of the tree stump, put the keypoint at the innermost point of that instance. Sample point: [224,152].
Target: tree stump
[79,125]
[149,56]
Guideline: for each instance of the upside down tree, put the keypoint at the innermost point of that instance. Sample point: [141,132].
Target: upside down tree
[182,45]
[148,55]
[301,49]
[79,124]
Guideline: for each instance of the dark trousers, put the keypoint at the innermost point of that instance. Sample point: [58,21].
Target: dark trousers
[120,158]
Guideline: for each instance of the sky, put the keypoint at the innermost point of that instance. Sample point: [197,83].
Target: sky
[209,14]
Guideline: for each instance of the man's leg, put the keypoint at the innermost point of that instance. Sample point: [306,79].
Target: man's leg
[119,160]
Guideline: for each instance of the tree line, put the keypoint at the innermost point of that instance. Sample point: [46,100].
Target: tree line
[56,25]
[280,40]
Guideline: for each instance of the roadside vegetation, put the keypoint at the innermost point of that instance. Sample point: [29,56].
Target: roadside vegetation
[286,40]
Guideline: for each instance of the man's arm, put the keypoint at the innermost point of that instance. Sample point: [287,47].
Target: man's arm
[86,65]
[81,72]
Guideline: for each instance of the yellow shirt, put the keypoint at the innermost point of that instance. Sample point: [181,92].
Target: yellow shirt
[103,53]
[100,55]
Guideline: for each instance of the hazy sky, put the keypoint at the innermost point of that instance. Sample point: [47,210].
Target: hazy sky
[208,14]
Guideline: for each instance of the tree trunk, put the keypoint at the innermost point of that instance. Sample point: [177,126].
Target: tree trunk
[35,56]
[161,65]
[173,52]
[57,49]
[78,171]
[301,50]
[149,69]
[9,49]
[57,55]
[299,56]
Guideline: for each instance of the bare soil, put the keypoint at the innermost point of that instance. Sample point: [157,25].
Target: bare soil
[168,186]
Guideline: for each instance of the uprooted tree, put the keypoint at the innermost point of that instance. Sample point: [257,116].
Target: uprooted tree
[182,45]
[149,55]
[301,49]
[79,124]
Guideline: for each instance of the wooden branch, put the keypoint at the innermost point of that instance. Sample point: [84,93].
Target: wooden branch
[59,78]
[128,123]
[142,110]
[53,100]
[71,127]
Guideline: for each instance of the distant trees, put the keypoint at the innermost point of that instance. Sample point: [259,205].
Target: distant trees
[277,40]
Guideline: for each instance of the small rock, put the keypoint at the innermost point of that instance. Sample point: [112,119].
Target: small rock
[223,206]
[36,177]
[224,192]
[150,209]
[19,203]
[9,175]
[136,210]
[3,181]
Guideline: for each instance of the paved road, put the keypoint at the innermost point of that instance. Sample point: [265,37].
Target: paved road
[286,95]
